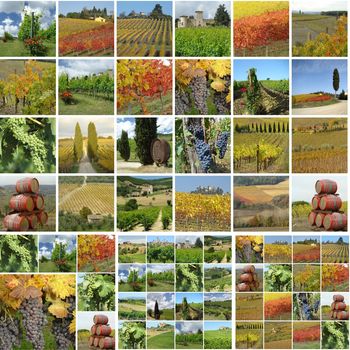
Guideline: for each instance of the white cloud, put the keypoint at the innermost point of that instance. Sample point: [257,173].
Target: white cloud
[165,125]
[157,268]
[165,300]
[127,126]
[8,27]
[217,297]
[78,68]
[188,327]
[188,8]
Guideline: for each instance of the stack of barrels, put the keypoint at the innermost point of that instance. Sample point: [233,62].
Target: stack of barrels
[100,337]
[27,207]
[248,280]
[338,308]
[326,206]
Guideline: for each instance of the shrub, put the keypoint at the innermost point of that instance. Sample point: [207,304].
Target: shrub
[36,46]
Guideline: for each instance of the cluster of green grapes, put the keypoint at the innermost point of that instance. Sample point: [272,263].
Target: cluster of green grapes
[30,142]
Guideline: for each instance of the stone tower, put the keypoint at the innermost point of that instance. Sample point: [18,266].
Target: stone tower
[183,22]
[198,18]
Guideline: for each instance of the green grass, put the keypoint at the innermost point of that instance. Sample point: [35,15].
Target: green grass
[125,287]
[218,339]
[86,105]
[192,255]
[166,314]
[50,266]
[161,341]
[106,265]
[204,42]
[161,286]
[132,258]
[17,48]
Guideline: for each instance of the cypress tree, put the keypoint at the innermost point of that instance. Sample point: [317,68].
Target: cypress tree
[274,127]
[92,141]
[124,146]
[279,127]
[256,127]
[145,133]
[283,128]
[270,129]
[261,130]
[78,143]
[265,127]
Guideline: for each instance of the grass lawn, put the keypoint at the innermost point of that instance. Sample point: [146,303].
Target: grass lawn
[50,266]
[162,287]
[132,258]
[87,105]
[17,48]
[161,341]
[106,265]
[125,287]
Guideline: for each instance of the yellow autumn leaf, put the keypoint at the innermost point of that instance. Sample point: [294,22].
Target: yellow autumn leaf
[72,326]
[62,285]
[221,67]
[218,85]
[59,308]
[228,97]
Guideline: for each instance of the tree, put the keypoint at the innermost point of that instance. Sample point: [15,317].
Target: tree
[85,212]
[28,29]
[124,146]
[92,141]
[78,143]
[131,204]
[157,12]
[198,243]
[156,311]
[145,133]
[274,127]
[335,81]
[222,18]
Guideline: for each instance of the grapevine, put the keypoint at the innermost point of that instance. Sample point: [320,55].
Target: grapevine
[221,143]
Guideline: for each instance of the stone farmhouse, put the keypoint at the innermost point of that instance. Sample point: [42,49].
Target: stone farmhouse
[194,21]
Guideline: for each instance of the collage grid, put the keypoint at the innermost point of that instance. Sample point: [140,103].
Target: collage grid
[140,162]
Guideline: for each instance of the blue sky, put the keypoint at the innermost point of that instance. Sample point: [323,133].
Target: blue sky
[77,6]
[317,75]
[302,238]
[190,183]
[161,238]
[46,244]
[132,295]
[212,326]
[273,239]
[79,68]
[143,6]
[124,270]
[269,68]
[191,297]
[12,14]
[335,238]
[165,126]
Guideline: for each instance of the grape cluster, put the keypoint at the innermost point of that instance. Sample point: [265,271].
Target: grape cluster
[60,327]
[9,333]
[221,143]
[200,93]
[33,321]
[30,142]
[202,148]
[181,103]
[220,98]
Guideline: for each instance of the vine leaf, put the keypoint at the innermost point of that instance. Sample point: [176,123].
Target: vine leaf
[59,308]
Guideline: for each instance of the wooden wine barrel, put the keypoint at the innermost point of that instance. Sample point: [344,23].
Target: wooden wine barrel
[42,217]
[103,329]
[96,341]
[249,269]
[315,202]
[16,222]
[335,222]
[33,221]
[340,306]
[342,315]
[107,343]
[330,202]
[319,219]
[160,151]
[27,185]
[338,297]
[326,186]
[100,319]
[246,277]
[91,340]
[243,287]
[21,202]
[39,202]
[93,329]
[312,218]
